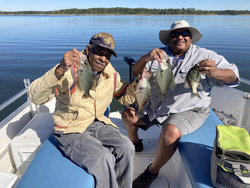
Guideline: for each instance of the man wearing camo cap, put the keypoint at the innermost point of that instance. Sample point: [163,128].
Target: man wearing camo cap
[81,129]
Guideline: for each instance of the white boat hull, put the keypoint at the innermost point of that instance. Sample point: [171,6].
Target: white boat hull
[231,106]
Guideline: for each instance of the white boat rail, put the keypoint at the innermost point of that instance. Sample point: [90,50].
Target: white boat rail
[13,99]
[245,81]
[27,83]
[17,96]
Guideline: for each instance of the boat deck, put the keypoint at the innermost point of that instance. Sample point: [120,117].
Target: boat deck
[167,175]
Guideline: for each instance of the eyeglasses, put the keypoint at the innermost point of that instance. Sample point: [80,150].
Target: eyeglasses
[177,34]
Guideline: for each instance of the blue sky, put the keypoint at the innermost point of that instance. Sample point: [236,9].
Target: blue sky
[42,5]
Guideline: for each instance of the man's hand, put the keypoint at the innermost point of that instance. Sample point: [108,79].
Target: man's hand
[208,67]
[70,58]
[155,54]
[144,74]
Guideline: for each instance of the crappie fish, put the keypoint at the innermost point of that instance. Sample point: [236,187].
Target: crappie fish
[143,92]
[193,81]
[85,76]
[165,78]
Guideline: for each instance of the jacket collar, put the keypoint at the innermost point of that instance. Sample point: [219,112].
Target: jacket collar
[109,69]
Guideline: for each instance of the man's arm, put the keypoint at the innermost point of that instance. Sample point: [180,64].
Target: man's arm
[42,90]
[155,54]
[124,92]
[70,58]
[225,76]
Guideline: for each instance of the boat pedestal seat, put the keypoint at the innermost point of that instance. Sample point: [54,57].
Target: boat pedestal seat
[51,169]
[195,150]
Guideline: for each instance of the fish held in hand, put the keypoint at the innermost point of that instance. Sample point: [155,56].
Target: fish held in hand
[85,76]
[165,78]
[193,81]
[143,93]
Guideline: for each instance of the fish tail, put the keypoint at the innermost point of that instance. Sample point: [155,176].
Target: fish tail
[200,86]
[85,95]
[163,97]
[186,84]
[140,113]
[147,102]
[172,85]
[195,95]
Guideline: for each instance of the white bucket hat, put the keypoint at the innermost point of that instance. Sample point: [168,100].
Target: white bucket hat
[164,34]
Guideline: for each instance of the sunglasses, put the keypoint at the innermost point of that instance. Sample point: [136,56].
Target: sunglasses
[177,34]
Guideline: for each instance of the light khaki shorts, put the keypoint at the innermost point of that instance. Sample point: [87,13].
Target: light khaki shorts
[187,121]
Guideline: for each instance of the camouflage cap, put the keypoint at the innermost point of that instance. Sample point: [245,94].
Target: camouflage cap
[104,40]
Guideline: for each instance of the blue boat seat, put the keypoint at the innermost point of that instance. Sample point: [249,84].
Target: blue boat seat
[50,168]
[196,149]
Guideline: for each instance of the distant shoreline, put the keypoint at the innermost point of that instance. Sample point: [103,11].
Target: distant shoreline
[123,14]
[128,11]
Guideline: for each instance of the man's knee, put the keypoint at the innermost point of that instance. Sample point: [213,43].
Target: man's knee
[108,158]
[126,149]
[127,113]
[170,134]
[127,145]
[129,117]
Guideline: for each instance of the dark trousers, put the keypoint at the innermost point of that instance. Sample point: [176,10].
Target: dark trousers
[104,152]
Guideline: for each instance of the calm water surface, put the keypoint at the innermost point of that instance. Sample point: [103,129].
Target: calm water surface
[31,45]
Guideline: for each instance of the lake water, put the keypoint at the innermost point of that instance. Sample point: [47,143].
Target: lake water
[31,45]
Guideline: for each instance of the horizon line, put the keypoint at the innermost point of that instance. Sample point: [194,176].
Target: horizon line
[119,7]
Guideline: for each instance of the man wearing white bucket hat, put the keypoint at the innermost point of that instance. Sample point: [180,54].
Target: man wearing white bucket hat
[180,114]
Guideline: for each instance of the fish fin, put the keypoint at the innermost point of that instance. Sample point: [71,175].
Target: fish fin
[136,106]
[161,74]
[164,66]
[186,85]
[163,97]
[156,85]
[200,86]
[140,113]
[154,74]
[147,101]
[145,76]
[195,95]
[172,85]
[86,95]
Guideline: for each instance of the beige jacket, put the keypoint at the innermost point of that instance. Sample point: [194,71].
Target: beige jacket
[73,112]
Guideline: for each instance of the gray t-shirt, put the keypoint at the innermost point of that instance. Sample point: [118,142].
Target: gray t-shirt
[180,99]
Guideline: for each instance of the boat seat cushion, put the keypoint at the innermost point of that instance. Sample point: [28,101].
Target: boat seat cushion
[51,169]
[196,149]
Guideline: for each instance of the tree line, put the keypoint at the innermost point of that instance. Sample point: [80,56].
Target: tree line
[130,11]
